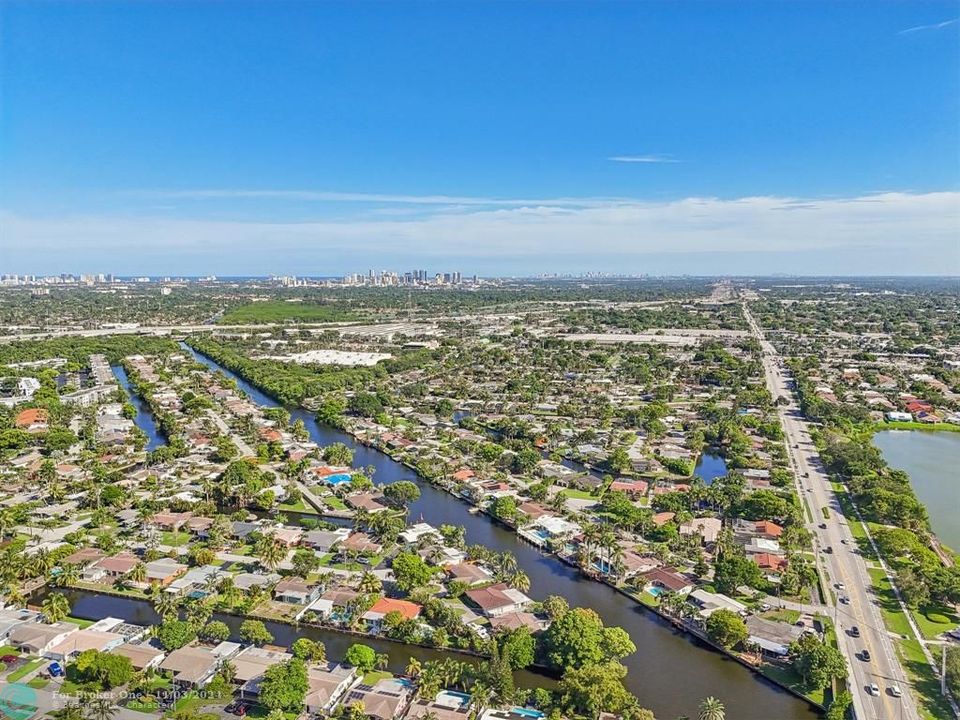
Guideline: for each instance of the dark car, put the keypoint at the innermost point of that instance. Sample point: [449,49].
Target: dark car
[865,655]
[854,631]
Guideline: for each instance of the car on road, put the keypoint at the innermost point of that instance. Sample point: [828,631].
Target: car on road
[844,600]
[845,541]
[895,691]
[865,655]
[822,526]
[854,631]
[828,549]
[840,586]
[873,689]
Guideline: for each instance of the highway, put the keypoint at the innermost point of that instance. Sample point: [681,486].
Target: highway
[844,565]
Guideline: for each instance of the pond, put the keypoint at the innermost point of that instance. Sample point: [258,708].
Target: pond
[931,459]
[710,466]
[670,672]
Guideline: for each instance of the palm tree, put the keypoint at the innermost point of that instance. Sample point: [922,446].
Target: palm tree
[166,605]
[138,573]
[413,667]
[270,551]
[101,709]
[711,709]
[70,711]
[56,607]
[520,580]
[370,584]
[68,575]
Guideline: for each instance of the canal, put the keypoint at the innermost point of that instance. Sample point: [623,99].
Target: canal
[930,459]
[671,672]
[144,419]
[93,605]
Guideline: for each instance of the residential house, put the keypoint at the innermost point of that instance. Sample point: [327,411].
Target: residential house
[667,578]
[38,638]
[498,599]
[143,656]
[386,700]
[469,573]
[707,528]
[192,666]
[326,685]
[295,591]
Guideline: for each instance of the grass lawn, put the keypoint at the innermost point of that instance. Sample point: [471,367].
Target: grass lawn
[893,616]
[38,683]
[790,679]
[299,506]
[578,494]
[784,615]
[25,669]
[934,620]
[9,650]
[79,621]
[174,539]
[376,676]
[926,684]
[334,502]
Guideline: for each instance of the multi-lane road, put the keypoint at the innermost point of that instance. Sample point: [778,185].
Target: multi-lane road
[842,567]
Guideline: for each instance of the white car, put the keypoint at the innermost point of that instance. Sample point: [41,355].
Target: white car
[873,689]
[896,691]
[841,586]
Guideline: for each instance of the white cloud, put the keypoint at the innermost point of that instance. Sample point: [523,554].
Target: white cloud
[643,159]
[934,26]
[923,227]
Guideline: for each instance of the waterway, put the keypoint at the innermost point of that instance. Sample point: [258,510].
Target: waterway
[710,466]
[931,460]
[144,419]
[671,672]
[91,605]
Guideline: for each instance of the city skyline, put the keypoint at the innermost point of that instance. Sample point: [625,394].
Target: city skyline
[684,138]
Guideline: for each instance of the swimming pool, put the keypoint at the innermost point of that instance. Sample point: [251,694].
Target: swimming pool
[338,478]
[527,712]
[655,590]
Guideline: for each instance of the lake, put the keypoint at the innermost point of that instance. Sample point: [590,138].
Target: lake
[932,460]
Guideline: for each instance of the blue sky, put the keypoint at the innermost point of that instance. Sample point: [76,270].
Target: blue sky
[500,138]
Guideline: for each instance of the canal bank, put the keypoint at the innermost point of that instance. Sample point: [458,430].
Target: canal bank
[670,672]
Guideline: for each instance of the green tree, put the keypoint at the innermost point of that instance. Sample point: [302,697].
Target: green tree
[255,632]
[578,638]
[411,571]
[726,628]
[518,647]
[284,686]
[816,662]
[215,631]
[596,688]
[174,634]
[362,657]
[308,650]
